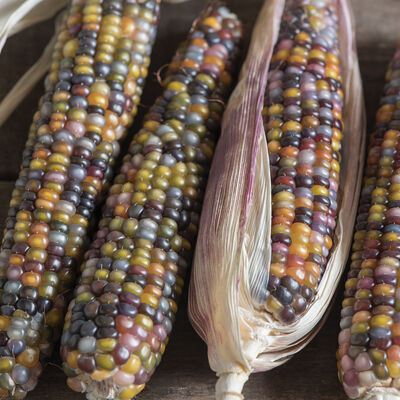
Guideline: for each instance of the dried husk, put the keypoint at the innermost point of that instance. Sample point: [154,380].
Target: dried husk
[381,393]
[233,247]
[16,16]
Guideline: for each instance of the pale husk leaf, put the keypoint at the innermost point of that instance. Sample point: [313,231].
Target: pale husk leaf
[381,393]
[16,16]
[233,247]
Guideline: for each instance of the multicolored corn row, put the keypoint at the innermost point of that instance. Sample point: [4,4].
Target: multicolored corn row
[95,82]
[119,323]
[303,122]
[369,341]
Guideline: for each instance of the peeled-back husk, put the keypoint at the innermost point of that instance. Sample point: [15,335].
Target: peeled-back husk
[233,247]
[381,393]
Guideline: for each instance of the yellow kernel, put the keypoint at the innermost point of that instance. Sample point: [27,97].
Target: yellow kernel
[130,391]
[101,374]
[70,48]
[5,322]
[144,321]
[132,366]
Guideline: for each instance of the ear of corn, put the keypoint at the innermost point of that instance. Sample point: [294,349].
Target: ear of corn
[95,81]
[303,124]
[369,341]
[39,118]
[273,241]
[119,323]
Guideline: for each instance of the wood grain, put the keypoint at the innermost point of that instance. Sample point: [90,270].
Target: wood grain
[184,372]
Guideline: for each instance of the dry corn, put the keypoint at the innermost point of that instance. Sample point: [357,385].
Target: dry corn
[303,123]
[119,323]
[92,91]
[369,341]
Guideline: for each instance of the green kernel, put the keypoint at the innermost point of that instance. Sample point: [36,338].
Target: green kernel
[150,362]
[377,356]
[106,344]
[105,361]
[143,352]
[6,364]
[381,371]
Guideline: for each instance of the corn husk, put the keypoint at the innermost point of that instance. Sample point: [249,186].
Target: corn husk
[16,16]
[381,393]
[233,248]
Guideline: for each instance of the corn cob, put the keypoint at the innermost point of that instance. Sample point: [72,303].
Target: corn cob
[264,255]
[303,123]
[118,325]
[67,32]
[92,91]
[369,341]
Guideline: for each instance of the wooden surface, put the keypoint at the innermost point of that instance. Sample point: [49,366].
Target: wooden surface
[184,372]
